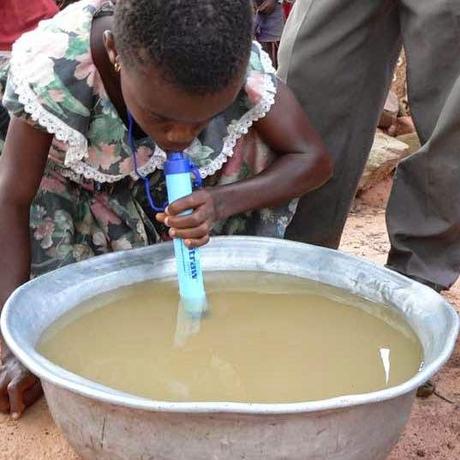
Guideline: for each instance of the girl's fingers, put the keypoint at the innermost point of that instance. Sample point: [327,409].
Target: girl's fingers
[197,218]
[190,233]
[196,242]
[16,391]
[193,201]
[4,399]
[160,217]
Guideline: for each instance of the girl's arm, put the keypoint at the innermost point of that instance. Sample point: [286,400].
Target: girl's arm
[21,168]
[22,164]
[303,165]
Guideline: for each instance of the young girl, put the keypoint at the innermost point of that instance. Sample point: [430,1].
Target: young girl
[98,96]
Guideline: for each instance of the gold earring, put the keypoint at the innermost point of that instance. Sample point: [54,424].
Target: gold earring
[117,66]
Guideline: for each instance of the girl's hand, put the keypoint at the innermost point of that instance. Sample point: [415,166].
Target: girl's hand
[18,387]
[194,228]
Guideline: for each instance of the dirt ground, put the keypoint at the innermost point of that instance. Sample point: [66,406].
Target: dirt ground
[433,432]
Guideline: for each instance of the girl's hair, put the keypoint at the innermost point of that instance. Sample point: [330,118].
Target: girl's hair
[201,46]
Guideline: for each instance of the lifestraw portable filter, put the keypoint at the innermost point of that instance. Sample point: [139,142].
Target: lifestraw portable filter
[178,170]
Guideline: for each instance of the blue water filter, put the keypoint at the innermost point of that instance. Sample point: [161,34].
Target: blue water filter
[178,170]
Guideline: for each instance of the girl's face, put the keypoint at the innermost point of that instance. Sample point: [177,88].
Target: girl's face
[172,117]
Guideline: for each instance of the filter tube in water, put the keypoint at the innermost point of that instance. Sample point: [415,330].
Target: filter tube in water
[178,170]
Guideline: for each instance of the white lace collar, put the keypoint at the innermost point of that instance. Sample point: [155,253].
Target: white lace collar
[77,145]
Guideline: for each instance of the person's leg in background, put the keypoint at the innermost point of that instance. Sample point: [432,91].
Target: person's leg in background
[338,58]
[423,214]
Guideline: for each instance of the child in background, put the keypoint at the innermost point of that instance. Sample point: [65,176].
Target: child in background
[15,19]
[19,17]
[98,97]
[269,24]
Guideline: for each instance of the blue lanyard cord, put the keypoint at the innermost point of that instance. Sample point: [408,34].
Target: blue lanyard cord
[146,181]
[197,180]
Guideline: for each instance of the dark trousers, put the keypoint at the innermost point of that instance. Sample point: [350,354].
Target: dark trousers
[338,57]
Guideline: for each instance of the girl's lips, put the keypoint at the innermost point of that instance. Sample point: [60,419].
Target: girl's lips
[174,147]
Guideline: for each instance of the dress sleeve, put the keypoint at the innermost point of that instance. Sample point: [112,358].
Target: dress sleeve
[260,88]
[52,82]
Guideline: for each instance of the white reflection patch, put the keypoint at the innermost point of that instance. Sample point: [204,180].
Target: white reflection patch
[385,357]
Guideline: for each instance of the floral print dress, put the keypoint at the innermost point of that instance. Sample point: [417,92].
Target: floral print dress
[91,200]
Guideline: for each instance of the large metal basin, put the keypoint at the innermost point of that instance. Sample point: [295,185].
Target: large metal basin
[101,423]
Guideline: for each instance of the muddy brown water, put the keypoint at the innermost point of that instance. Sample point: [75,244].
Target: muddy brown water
[267,339]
